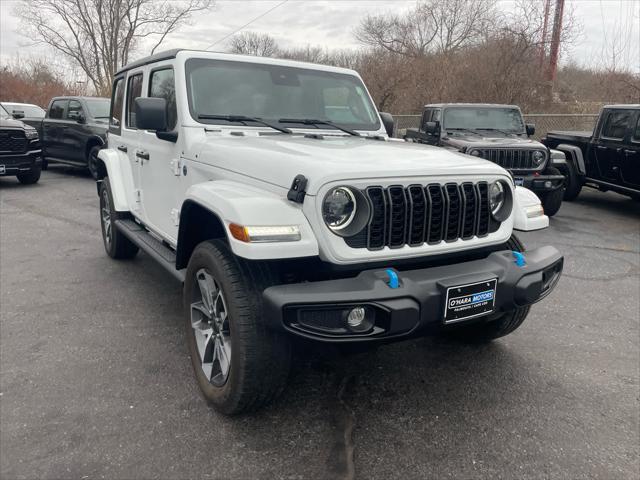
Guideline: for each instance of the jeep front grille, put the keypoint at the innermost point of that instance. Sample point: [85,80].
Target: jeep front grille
[419,214]
[515,159]
[12,141]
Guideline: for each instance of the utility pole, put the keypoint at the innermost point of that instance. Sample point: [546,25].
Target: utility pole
[545,29]
[555,42]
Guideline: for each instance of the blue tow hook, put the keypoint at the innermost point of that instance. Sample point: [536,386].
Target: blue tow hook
[519,258]
[394,281]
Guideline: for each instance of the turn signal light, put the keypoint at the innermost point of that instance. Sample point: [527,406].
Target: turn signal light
[265,234]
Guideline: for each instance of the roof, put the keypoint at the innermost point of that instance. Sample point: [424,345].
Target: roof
[75,97]
[632,106]
[483,105]
[180,52]
[23,104]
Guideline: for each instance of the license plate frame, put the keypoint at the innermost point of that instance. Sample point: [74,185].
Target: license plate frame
[518,181]
[464,302]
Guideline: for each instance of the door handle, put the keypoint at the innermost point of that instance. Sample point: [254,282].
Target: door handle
[630,152]
[600,147]
[142,154]
[122,148]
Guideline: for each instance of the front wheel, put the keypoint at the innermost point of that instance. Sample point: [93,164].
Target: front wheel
[551,201]
[572,183]
[240,365]
[495,326]
[30,177]
[92,161]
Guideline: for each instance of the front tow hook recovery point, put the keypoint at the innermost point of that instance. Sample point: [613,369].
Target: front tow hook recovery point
[519,258]
[392,278]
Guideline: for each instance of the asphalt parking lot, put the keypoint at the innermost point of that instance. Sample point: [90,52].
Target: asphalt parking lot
[96,382]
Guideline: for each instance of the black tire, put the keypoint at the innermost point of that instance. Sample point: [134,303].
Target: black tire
[92,161]
[116,244]
[572,182]
[552,201]
[259,358]
[493,327]
[45,164]
[30,177]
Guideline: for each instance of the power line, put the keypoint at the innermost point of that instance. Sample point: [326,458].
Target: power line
[247,24]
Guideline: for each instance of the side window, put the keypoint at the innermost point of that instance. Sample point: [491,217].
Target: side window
[134,90]
[75,110]
[117,100]
[162,85]
[57,109]
[426,117]
[636,131]
[616,124]
[436,116]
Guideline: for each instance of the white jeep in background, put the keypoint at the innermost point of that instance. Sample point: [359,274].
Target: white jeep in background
[271,189]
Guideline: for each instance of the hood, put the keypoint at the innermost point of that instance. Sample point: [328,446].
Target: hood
[498,142]
[10,123]
[277,159]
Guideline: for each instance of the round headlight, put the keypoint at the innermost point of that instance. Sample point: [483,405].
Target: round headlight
[496,197]
[538,157]
[339,208]
[475,153]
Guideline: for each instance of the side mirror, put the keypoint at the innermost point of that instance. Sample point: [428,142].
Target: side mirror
[151,113]
[432,128]
[388,122]
[531,129]
[17,115]
[81,118]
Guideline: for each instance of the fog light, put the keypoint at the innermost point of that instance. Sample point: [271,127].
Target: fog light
[547,184]
[360,319]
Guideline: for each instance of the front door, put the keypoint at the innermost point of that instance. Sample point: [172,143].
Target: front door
[130,137]
[75,132]
[608,148]
[53,129]
[160,167]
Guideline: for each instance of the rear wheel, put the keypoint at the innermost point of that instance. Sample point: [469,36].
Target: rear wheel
[30,177]
[240,365]
[496,326]
[116,244]
[92,161]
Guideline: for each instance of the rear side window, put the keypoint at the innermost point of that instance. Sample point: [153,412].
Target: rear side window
[636,131]
[134,90]
[162,85]
[616,124]
[57,109]
[117,100]
[75,110]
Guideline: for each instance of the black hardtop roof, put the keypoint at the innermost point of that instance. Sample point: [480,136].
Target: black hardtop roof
[631,106]
[481,105]
[76,97]
[156,57]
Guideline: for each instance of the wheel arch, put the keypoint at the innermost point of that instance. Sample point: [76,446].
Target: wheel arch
[574,155]
[197,224]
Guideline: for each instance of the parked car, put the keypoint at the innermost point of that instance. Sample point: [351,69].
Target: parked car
[20,153]
[21,110]
[73,131]
[608,158]
[496,133]
[232,172]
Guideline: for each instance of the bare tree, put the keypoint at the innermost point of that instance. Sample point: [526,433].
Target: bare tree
[251,43]
[100,35]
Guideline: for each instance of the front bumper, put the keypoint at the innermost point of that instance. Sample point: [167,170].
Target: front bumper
[539,183]
[13,164]
[416,305]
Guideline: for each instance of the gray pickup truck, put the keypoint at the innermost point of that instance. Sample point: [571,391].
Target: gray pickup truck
[73,131]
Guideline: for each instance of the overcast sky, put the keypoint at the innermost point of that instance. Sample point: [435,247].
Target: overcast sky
[331,24]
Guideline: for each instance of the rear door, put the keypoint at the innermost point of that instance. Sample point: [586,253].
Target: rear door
[630,160]
[608,147]
[53,128]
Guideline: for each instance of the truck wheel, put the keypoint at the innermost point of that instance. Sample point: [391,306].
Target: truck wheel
[116,244]
[30,177]
[551,201]
[495,327]
[239,364]
[572,183]
[92,161]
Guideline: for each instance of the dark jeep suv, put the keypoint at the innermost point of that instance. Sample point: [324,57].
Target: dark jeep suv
[496,133]
[20,153]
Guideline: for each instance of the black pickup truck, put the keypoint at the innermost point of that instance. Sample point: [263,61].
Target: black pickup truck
[19,149]
[73,131]
[496,133]
[607,158]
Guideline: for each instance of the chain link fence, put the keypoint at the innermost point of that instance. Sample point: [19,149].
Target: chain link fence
[544,122]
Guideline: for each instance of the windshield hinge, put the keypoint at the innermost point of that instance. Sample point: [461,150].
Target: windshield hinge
[297,191]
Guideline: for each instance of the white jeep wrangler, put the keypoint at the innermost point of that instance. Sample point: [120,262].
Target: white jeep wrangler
[271,189]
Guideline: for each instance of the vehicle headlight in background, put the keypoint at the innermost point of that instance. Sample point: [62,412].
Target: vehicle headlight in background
[339,208]
[31,133]
[475,152]
[538,157]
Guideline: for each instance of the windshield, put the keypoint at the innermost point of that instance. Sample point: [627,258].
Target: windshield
[98,107]
[31,111]
[478,118]
[272,92]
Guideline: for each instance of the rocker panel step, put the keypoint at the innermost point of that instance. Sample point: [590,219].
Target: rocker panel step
[151,246]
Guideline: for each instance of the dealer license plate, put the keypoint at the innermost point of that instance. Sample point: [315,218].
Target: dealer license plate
[2,169]
[519,181]
[471,300]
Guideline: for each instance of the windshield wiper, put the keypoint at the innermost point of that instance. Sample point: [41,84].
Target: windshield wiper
[312,121]
[465,129]
[498,130]
[244,119]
